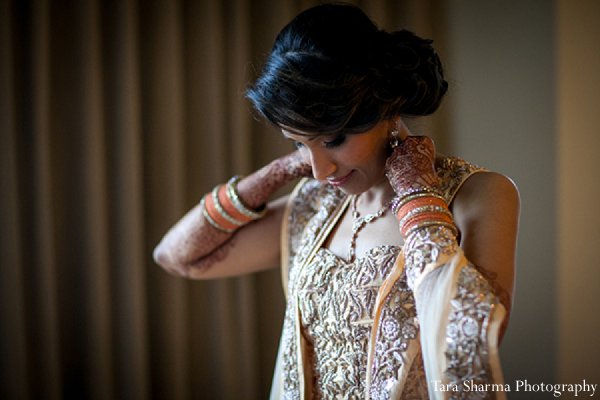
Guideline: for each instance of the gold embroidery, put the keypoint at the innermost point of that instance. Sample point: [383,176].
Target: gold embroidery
[399,326]
[336,302]
[467,351]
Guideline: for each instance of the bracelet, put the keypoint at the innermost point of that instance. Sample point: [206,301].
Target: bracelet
[426,218]
[228,206]
[427,209]
[217,202]
[420,201]
[216,214]
[400,201]
[237,202]
[420,209]
[210,219]
[224,210]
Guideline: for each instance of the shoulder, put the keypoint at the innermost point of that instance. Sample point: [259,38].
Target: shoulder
[453,172]
[486,194]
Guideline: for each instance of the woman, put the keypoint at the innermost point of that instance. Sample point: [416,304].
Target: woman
[398,264]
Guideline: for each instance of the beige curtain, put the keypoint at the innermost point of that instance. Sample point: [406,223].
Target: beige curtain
[115,117]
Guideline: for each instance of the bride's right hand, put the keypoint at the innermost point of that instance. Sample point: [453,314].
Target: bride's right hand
[295,165]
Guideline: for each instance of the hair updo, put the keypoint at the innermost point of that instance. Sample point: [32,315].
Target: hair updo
[332,69]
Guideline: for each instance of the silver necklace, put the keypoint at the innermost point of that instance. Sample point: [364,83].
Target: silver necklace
[358,223]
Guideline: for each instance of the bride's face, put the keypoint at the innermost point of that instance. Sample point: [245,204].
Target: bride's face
[352,162]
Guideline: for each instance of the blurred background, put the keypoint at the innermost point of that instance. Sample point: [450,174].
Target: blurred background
[116,116]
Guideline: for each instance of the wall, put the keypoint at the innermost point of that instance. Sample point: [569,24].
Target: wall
[500,113]
[578,98]
[524,97]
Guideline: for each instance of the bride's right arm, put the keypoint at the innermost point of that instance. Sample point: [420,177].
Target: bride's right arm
[196,249]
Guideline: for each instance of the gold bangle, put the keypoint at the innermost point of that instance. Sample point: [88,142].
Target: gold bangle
[237,202]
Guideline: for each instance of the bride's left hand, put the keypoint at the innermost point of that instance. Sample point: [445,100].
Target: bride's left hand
[410,168]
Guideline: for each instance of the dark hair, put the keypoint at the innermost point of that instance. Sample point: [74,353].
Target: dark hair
[332,69]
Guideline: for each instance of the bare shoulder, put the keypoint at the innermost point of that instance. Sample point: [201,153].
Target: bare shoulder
[486,193]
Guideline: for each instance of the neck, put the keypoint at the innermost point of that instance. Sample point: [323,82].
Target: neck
[376,197]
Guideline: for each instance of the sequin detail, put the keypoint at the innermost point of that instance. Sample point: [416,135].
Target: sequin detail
[336,305]
[467,352]
[453,171]
[425,246]
[398,328]
[337,300]
[311,207]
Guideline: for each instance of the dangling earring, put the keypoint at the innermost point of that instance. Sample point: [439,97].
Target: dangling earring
[394,136]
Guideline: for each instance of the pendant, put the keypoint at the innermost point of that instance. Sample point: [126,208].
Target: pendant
[358,223]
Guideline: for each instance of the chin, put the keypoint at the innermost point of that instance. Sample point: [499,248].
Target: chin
[349,192]
[353,189]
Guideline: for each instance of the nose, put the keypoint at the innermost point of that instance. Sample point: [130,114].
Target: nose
[322,165]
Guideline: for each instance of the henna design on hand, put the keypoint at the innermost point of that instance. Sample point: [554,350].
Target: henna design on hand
[411,166]
[256,189]
[296,166]
[219,254]
[191,239]
[194,245]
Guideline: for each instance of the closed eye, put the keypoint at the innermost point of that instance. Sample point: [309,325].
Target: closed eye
[336,141]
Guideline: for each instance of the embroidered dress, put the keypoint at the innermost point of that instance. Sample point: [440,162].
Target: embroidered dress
[336,303]
[353,330]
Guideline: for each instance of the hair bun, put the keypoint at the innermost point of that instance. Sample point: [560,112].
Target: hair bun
[332,69]
[408,67]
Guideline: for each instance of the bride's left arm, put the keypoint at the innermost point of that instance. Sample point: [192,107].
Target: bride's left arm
[486,213]
[457,305]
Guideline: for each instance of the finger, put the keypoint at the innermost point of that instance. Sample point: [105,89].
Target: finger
[423,145]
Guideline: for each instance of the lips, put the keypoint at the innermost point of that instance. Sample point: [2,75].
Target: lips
[341,180]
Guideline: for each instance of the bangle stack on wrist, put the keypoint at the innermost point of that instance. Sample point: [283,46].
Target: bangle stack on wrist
[224,209]
[422,209]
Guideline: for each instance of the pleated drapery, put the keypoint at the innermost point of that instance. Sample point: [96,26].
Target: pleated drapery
[115,117]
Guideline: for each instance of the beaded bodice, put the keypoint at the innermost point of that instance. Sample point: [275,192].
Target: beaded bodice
[336,301]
